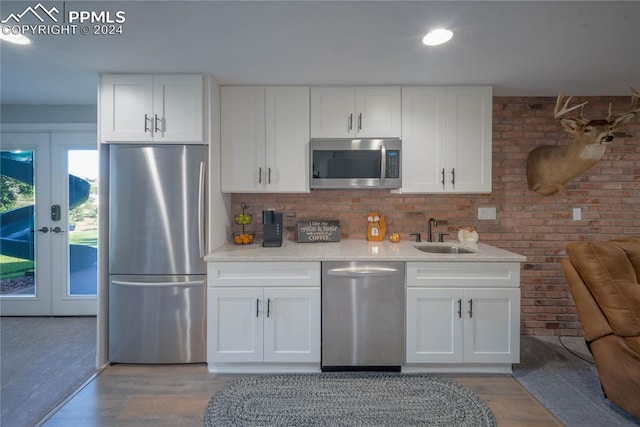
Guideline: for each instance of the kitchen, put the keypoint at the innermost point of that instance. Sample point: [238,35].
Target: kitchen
[533,226]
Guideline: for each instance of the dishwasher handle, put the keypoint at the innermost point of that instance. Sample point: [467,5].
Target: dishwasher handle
[130,283]
[368,271]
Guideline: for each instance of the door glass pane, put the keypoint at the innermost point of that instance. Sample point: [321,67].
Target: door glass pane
[17,219]
[83,222]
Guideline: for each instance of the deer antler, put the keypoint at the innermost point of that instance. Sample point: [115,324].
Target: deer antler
[564,109]
[635,97]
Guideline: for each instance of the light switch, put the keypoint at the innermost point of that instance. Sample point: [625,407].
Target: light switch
[577,214]
[486,213]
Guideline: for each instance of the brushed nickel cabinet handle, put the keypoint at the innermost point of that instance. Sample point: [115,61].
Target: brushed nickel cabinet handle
[146,128]
[157,119]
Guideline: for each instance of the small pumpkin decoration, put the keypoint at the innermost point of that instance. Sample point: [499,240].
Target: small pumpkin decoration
[394,238]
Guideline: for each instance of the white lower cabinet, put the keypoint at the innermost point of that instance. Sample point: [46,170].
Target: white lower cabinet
[456,320]
[254,328]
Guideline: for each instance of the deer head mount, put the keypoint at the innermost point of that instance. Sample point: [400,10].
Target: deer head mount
[551,167]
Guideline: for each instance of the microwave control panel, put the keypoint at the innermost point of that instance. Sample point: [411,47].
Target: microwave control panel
[393,164]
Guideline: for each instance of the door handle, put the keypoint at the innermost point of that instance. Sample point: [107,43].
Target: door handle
[470,308]
[383,163]
[201,210]
[460,308]
[57,230]
[356,272]
[41,230]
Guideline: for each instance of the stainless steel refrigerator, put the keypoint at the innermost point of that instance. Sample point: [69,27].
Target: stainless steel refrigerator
[157,275]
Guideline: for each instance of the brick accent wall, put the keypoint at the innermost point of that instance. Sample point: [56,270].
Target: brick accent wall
[536,226]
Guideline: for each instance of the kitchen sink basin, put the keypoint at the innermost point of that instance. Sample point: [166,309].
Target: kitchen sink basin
[443,249]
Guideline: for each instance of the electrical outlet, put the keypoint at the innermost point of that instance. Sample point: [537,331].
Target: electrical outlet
[486,213]
[577,214]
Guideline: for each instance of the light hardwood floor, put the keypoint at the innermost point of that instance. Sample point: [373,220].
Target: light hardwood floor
[177,395]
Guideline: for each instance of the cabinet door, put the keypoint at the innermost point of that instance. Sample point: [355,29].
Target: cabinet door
[178,108]
[287,139]
[235,326]
[492,325]
[332,112]
[434,326]
[242,138]
[469,139]
[424,142]
[378,112]
[126,108]
[292,325]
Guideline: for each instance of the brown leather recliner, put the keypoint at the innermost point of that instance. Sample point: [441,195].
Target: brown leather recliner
[604,280]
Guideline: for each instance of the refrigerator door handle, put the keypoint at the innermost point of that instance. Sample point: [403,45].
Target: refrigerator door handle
[127,283]
[201,210]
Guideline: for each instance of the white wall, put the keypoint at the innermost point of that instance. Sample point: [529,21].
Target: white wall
[219,203]
[14,113]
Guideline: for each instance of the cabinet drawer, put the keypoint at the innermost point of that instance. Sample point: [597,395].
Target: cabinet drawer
[467,274]
[264,274]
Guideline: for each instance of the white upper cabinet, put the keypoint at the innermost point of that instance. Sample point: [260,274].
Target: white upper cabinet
[424,127]
[446,136]
[287,139]
[264,138]
[151,108]
[469,112]
[365,112]
[242,124]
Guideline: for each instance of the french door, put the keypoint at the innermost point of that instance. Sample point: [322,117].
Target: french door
[48,225]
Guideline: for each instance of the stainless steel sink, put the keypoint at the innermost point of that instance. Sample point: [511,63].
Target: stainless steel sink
[443,249]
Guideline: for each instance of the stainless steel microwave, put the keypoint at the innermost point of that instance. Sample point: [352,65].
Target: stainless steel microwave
[355,163]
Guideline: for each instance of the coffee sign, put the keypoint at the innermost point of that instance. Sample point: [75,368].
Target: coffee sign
[316,231]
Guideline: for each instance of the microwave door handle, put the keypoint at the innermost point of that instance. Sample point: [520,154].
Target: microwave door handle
[383,163]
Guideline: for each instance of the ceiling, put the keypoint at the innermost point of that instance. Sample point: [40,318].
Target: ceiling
[521,48]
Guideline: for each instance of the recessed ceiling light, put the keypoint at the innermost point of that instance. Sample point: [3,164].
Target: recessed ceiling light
[14,38]
[437,36]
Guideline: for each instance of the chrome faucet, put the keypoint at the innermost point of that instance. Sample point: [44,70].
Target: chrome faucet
[429,234]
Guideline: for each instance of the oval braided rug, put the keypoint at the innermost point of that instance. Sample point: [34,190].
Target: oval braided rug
[346,399]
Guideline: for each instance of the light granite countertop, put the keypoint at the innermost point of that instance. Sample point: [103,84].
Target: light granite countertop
[358,250]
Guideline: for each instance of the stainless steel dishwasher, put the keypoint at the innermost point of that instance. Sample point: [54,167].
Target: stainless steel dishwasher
[362,316]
